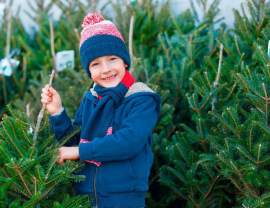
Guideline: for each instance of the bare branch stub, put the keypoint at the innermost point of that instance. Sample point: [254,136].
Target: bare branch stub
[41,112]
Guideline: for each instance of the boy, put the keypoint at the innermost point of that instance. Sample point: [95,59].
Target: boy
[117,117]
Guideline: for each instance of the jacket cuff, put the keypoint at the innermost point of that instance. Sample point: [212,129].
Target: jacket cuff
[58,119]
[85,151]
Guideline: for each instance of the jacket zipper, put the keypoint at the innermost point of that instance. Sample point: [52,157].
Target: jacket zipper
[95,186]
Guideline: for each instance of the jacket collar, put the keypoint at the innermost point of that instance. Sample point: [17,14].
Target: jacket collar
[135,88]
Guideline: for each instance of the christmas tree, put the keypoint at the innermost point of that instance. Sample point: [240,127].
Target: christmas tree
[13,71]
[29,174]
[211,138]
[220,159]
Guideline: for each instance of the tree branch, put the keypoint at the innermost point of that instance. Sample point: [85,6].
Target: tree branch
[41,113]
[216,82]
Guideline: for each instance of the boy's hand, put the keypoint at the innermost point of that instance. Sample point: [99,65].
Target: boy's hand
[68,153]
[52,99]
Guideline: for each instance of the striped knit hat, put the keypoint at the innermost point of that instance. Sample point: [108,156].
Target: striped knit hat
[100,37]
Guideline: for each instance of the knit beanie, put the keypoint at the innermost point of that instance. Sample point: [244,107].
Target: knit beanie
[100,37]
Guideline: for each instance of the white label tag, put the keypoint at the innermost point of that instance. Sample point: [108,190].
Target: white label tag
[268,51]
[5,67]
[64,60]
[30,129]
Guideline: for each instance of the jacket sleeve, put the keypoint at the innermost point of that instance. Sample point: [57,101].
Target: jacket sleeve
[61,124]
[129,139]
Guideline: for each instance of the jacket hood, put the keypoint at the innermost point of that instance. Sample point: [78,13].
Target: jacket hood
[137,89]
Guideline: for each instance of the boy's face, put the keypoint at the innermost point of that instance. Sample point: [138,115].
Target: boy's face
[107,71]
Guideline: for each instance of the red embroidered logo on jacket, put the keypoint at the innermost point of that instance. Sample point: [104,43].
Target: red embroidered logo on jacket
[109,131]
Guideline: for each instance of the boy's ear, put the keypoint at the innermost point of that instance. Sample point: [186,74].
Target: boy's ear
[126,65]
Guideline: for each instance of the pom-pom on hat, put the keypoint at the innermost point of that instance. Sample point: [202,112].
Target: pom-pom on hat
[100,37]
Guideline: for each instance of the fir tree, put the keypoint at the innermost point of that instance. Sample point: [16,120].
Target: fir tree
[14,86]
[150,19]
[29,173]
[221,158]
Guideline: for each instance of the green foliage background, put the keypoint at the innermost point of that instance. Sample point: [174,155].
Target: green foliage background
[211,144]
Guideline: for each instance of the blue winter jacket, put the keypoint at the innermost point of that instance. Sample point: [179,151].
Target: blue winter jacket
[126,157]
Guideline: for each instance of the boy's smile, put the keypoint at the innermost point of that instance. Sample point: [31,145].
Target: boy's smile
[107,71]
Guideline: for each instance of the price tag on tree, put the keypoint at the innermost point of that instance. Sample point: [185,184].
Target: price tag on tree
[5,67]
[64,60]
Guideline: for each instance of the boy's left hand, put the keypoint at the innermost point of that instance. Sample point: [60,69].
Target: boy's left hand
[68,153]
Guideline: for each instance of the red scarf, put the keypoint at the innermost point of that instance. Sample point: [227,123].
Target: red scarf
[128,80]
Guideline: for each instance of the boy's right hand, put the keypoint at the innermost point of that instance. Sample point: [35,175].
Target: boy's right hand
[52,99]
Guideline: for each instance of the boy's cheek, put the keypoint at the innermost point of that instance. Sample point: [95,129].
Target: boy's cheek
[94,76]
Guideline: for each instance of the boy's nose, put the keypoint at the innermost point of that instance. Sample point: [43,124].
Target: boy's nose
[106,68]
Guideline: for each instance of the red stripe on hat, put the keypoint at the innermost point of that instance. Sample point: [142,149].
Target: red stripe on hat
[99,29]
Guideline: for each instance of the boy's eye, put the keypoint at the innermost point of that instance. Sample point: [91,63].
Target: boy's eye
[112,58]
[95,64]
